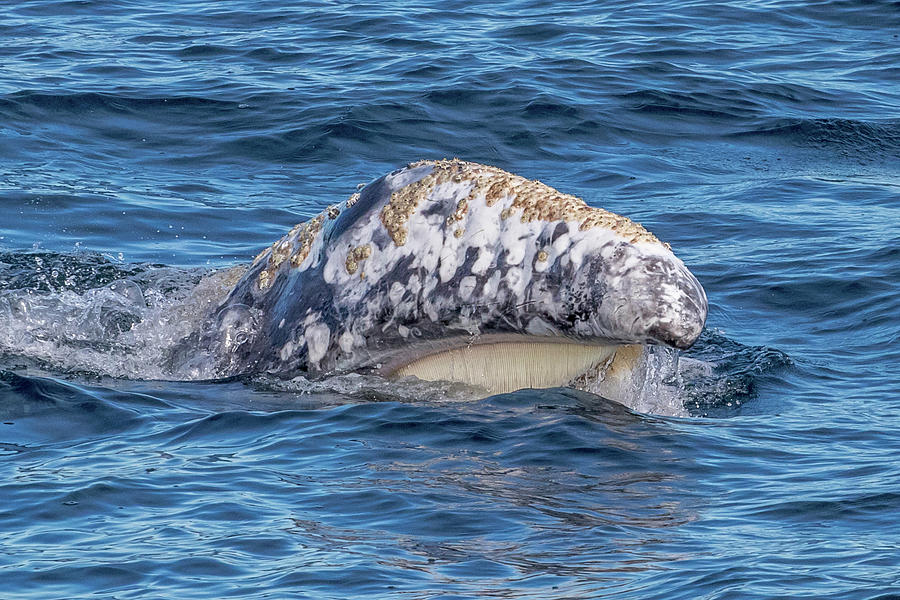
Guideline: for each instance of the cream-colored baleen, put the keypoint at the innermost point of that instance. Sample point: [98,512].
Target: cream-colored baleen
[508,366]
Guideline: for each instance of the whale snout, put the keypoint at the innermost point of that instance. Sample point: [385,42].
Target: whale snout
[656,299]
[680,318]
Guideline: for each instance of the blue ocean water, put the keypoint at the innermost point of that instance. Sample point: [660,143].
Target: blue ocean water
[145,144]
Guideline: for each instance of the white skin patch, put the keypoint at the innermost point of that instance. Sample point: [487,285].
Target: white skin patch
[431,311]
[483,261]
[449,264]
[562,243]
[287,351]
[513,240]
[413,285]
[466,287]
[432,247]
[482,227]
[346,342]
[515,280]
[395,295]
[428,257]
[317,338]
[491,285]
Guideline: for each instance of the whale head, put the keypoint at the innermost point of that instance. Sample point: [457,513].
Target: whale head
[454,270]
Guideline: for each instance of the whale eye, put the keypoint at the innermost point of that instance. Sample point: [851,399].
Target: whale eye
[236,324]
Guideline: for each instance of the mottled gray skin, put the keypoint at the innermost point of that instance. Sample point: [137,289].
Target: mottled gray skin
[486,276]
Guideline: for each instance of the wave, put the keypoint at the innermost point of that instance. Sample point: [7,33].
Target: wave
[728,375]
[77,103]
[45,409]
[488,115]
[840,134]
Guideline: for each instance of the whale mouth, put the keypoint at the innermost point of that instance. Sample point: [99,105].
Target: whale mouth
[502,366]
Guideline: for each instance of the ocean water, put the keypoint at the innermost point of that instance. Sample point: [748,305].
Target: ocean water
[146,145]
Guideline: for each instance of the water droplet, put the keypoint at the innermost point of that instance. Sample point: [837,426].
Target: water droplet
[129,290]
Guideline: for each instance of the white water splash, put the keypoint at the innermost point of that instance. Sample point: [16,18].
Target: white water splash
[119,330]
[655,386]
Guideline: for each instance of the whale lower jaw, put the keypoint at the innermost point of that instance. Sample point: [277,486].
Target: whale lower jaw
[507,366]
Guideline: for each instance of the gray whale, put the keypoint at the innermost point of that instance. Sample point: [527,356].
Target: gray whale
[447,269]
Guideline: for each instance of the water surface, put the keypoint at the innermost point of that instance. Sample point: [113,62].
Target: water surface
[144,145]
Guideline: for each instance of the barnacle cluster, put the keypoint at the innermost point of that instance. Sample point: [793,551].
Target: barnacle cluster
[295,246]
[356,256]
[534,201]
